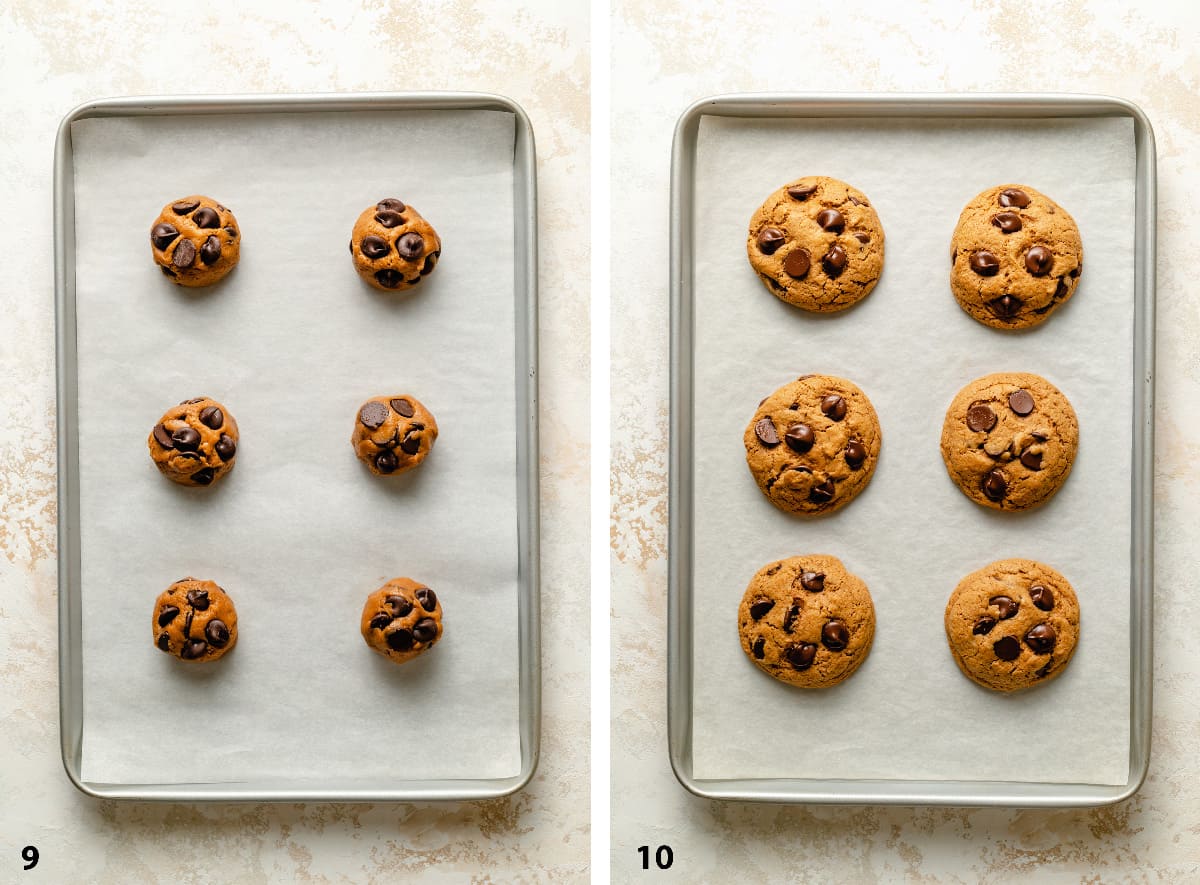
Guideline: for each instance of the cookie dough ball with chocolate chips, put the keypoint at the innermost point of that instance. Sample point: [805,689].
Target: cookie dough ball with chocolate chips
[393,434]
[1015,257]
[195,241]
[195,443]
[195,620]
[393,247]
[402,619]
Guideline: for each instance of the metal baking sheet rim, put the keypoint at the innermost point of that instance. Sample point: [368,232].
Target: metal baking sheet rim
[526,327]
[679,639]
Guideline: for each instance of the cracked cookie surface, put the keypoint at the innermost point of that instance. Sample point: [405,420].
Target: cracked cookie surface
[402,619]
[393,434]
[817,243]
[195,241]
[1009,440]
[194,620]
[812,445]
[195,443]
[1012,624]
[806,621]
[1015,257]
[393,247]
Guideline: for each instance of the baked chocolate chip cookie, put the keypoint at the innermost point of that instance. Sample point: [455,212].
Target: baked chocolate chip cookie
[1012,624]
[393,247]
[393,434]
[817,243]
[1015,257]
[1009,440]
[195,620]
[402,619]
[195,443]
[807,621]
[812,445]
[195,241]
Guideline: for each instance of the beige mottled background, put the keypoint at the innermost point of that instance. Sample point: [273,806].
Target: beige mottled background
[666,53]
[55,55]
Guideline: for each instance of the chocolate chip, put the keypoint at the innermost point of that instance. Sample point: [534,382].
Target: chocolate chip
[831,220]
[398,604]
[186,439]
[984,263]
[834,635]
[823,493]
[374,247]
[207,218]
[813,582]
[210,252]
[167,615]
[1008,222]
[389,278]
[995,486]
[183,207]
[427,598]
[410,245]
[163,235]
[232,231]
[766,433]
[431,261]
[212,417]
[797,264]
[833,407]
[855,454]
[984,625]
[980,417]
[380,621]
[386,462]
[1021,402]
[801,191]
[1006,648]
[403,407]
[1039,260]
[800,438]
[793,612]
[769,240]
[216,633]
[425,629]
[1041,597]
[863,238]
[834,261]
[388,218]
[1006,606]
[1061,289]
[400,640]
[411,444]
[162,436]
[226,447]
[1005,306]
[164,641]
[193,649]
[372,415]
[390,204]
[167,272]
[800,655]
[204,476]
[1041,639]
[760,607]
[184,254]
[1012,196]
[198,599]
[193,401]
[1032,460]
[759,648]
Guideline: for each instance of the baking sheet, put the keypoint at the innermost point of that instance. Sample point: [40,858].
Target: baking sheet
[292,343]
[908,713]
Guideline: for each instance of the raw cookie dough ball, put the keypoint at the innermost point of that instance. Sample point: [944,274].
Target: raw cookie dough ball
[812,445]
[1015,257]
[393,434]
[195,620]
[817,243]
[807,621]
[195,443]
[1009,440]
[195,241]
[402,619]
[1012,624]
[393,247]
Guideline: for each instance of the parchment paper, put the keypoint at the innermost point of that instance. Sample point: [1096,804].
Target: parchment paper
[912,535]
[292,342]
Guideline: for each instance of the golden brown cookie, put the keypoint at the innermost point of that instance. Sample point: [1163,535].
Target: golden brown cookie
[402,619]
[195,241]
[393,247]
[807,621]
[195,620]
[393,434]
[1009,440]
[195,443]
[817,243]
[812,445]
[1012,624]
[1015,257]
